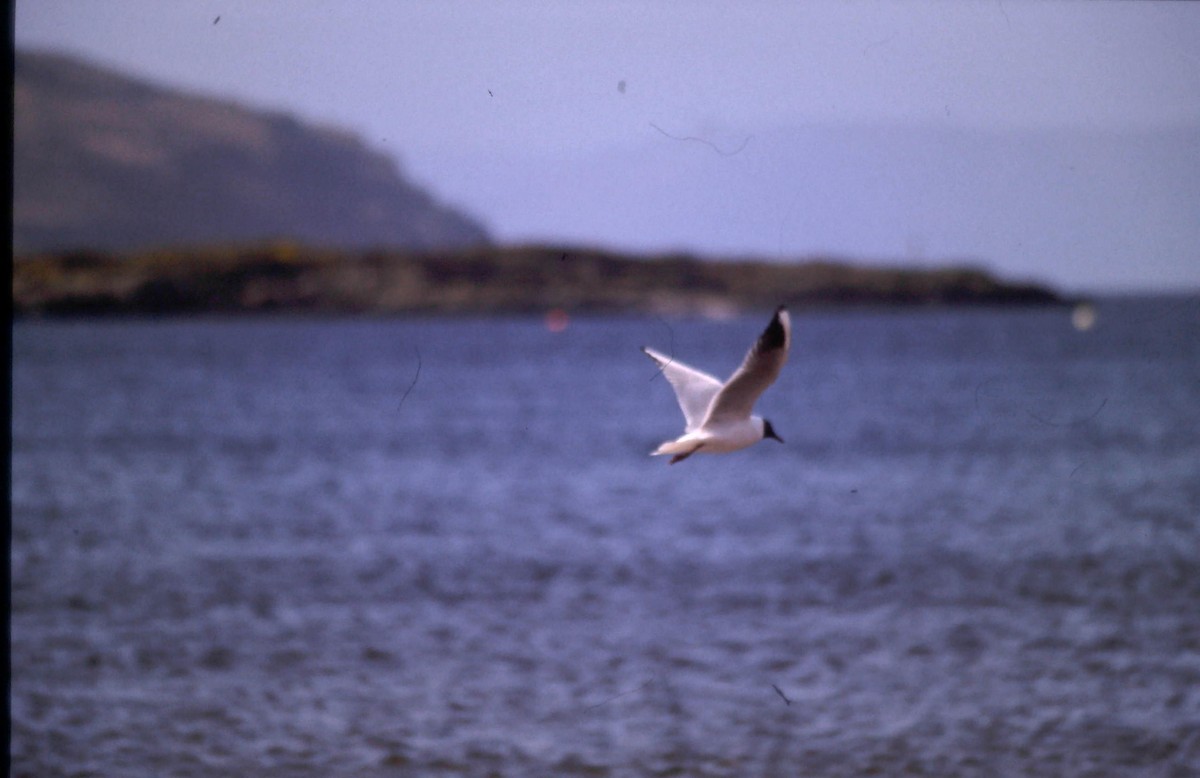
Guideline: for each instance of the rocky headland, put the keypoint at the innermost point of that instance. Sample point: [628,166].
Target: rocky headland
[286,277]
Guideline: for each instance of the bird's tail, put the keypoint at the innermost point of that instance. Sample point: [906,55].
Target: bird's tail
[672,447]
[681,449]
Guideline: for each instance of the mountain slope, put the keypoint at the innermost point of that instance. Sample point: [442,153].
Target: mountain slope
[107,162]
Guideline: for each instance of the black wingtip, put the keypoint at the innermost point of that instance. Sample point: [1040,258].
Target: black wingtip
[774,336]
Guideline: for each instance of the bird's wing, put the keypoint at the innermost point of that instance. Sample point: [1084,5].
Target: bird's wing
[694,389]
[758,371]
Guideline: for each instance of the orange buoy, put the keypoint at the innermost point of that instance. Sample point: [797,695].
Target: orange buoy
[557,320]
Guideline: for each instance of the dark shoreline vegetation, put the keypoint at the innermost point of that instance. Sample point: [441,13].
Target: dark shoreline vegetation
[288,278]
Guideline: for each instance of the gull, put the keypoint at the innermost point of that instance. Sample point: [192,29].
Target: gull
[718,414]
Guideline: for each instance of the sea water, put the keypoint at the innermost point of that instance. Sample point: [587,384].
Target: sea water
[322,547]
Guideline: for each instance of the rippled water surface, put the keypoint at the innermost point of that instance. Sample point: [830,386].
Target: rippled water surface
[238,548]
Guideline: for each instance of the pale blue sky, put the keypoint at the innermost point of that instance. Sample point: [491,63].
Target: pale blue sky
[1053,141]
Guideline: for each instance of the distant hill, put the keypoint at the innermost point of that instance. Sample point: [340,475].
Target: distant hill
[102,161]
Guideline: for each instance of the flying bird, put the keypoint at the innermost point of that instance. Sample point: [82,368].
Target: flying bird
[718,415]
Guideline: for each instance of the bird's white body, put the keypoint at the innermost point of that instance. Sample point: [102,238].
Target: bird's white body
[718,438]
[718,414]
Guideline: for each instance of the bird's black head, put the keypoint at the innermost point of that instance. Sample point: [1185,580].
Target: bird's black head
[769,431]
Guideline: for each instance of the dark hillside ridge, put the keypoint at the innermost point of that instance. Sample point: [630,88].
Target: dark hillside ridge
[289,278]
[103,161]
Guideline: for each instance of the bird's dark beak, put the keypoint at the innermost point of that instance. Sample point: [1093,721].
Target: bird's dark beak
[769,431]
